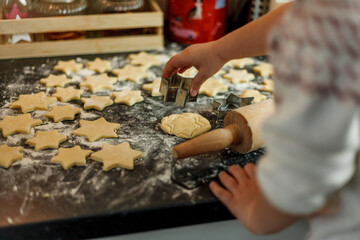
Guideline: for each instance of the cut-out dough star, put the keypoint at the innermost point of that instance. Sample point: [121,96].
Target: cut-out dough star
[67,94]
[144,59]
[99,82]
[113,156]
[268,85]
[94,130]
[69,157]
[128,97]
[8,155]
[213,86]
[97,102]
[60,113]
[18,124]
[132,73]
[31,102]
[153,87]
[68,67]
[191,72]
[239,76]
[258,97]
[43,140]
[99,65]
[264,69]
[240,63]
[55,80]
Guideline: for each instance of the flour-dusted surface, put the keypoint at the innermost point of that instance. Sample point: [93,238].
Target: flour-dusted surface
[34,189]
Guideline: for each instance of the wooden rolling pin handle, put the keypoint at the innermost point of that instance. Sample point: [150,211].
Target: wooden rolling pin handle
[212,141]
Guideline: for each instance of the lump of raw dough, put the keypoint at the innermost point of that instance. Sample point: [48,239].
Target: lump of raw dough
[186,125]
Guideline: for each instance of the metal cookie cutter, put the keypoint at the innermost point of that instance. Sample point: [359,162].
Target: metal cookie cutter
[222,106]
[176,89]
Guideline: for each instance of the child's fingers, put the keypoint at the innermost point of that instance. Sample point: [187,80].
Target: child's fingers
[183,69]
[250,170]
[228,181]
[238,173]
[196,83]
[172,66]
[221,193]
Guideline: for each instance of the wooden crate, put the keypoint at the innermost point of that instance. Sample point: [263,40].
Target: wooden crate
[150,19]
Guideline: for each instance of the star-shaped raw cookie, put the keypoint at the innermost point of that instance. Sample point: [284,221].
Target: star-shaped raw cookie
[97,102]
[97,129]
[99,65]
[68,66]
[268,85]
[144,59]
[264,69]
[60,113]
[153,87]
[67,94]
[191,72]
[213,86]
[69,157]
[113,156]
[8,155]
[44,140]
[240,63]
[99,82]
[128,97]
[55,80]
[31,102]
[239,76]
[258,97]
[18,124]
[132,73]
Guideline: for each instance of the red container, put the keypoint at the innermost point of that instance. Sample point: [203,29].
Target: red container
[197,21]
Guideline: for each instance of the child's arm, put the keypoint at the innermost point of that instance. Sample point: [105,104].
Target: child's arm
[208,58]
[245,201]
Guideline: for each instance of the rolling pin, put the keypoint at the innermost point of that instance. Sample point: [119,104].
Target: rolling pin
[242,131]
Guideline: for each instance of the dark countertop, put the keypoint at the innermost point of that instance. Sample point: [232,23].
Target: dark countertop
[40,200]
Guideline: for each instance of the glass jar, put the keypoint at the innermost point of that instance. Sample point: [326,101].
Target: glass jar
[53,8]
[16,9]
[116,6]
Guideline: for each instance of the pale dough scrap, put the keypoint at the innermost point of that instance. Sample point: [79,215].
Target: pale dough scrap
[185,125]
[94,130]
[99,82]
[97,102]
[132,73]
[113,156]
[240,63]
[153,87]
[18,124]
[67,94]
[99,65]
[128,97]
[239,76]
[69,157]
[8,155]
[268,85]
[60,113]
[43,140]
[55,80]
[258,97]
[264,69]
[212,87]
[144,59]
[68,67]
[30,102]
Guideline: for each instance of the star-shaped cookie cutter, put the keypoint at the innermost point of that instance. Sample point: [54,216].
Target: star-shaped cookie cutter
[222,106]
[176,89]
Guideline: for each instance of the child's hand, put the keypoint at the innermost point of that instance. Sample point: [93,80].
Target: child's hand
[204,57]
[246,202]
[240,192]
